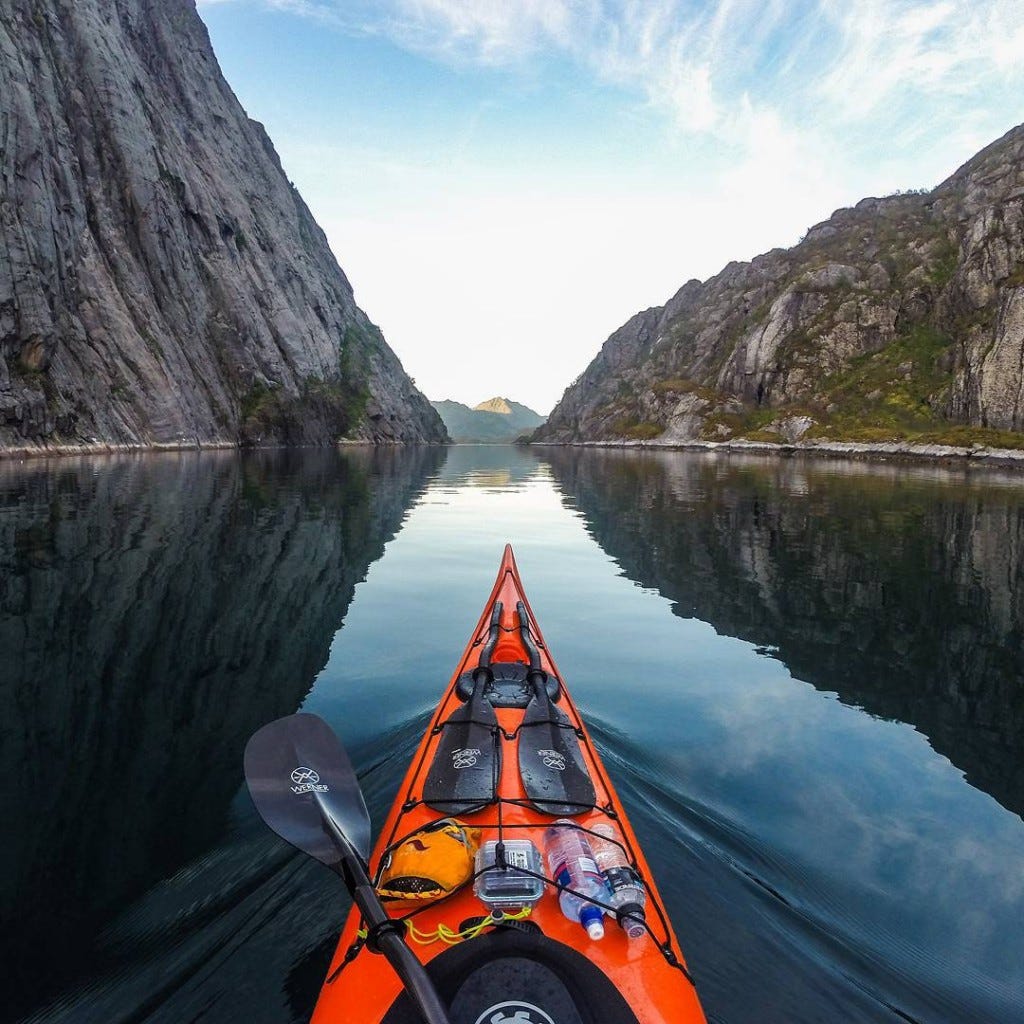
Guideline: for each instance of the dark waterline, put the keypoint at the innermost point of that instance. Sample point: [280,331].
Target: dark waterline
[806,679]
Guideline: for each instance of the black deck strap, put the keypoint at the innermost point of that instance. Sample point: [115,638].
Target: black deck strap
[537,674]
[483,667]
[350,954]
[673,961]
[663,946]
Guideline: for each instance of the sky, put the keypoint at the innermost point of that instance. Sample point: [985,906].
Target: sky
[506,182]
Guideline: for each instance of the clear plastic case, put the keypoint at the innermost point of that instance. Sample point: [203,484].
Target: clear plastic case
[509,887]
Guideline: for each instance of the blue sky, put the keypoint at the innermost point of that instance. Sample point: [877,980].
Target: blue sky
[505,182]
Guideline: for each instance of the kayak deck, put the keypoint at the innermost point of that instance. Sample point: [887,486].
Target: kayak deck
[648,973]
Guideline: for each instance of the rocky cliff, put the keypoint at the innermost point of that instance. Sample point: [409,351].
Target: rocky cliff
[161,281]
[902,317]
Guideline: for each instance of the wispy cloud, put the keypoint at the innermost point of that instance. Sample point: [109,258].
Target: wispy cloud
[329,11]
[697,59]
[490,32]
[707,67]
[896,52]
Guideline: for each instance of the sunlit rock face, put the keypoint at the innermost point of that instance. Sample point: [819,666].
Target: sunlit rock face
[903,594]
[162,282]
[902,316]
[154,612]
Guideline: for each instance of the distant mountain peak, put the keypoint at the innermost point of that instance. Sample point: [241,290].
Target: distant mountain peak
[497,404]
[497,420]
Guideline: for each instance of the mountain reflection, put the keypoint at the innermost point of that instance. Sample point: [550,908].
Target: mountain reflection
[494,467]
[154,611]
[902,590]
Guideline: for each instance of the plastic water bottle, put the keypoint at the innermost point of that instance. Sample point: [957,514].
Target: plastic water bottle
[623,883]
[571,863]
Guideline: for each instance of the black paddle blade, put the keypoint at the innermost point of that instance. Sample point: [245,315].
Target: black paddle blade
[305,788]
[550,760]
[464,774]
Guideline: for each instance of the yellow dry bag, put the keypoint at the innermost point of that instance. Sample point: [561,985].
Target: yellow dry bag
[429,863]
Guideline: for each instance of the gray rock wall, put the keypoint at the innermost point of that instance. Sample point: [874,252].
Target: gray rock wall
[161,281]
[904,314]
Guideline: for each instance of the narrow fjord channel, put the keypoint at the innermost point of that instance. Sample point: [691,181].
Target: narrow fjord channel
[806,679]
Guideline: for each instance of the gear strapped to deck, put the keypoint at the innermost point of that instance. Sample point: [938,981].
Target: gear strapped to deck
[517,931]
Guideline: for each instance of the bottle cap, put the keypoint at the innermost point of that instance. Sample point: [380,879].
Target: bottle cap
[631,919]
[590,918]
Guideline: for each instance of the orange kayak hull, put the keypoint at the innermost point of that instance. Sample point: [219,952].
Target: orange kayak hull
[648,972]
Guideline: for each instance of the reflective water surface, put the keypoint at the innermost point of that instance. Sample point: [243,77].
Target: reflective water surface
[805,677]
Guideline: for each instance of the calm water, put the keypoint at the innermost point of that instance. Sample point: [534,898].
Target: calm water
[806,679]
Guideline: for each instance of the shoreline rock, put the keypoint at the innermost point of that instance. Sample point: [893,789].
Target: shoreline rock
[865,451]
[904,314]
[115,448]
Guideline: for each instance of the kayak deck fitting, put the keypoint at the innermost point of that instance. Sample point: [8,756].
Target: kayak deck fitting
[507,753]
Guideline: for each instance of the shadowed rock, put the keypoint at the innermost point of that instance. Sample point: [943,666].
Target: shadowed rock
[162,282]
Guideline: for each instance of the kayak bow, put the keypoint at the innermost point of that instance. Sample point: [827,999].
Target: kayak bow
[507,753]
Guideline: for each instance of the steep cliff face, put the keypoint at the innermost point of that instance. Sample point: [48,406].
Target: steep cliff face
[899,318]
[161,281]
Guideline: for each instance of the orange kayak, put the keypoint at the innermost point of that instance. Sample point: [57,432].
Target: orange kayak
[507,754]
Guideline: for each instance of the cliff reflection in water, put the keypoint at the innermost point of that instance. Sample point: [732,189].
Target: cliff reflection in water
[901,590]
[154,611]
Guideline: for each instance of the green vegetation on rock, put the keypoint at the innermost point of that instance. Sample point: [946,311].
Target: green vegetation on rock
[635,430]
[340,401]
[901,319]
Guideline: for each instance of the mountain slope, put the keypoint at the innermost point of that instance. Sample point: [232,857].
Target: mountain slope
[497,419]
[901,317]
[161,281]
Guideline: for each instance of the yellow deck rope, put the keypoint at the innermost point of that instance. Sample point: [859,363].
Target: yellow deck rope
[442,933]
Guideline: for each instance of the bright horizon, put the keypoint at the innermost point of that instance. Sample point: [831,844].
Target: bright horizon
[506,183]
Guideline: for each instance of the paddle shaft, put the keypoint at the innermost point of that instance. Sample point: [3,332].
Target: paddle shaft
[392,946]
[389,942]
[550,763]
